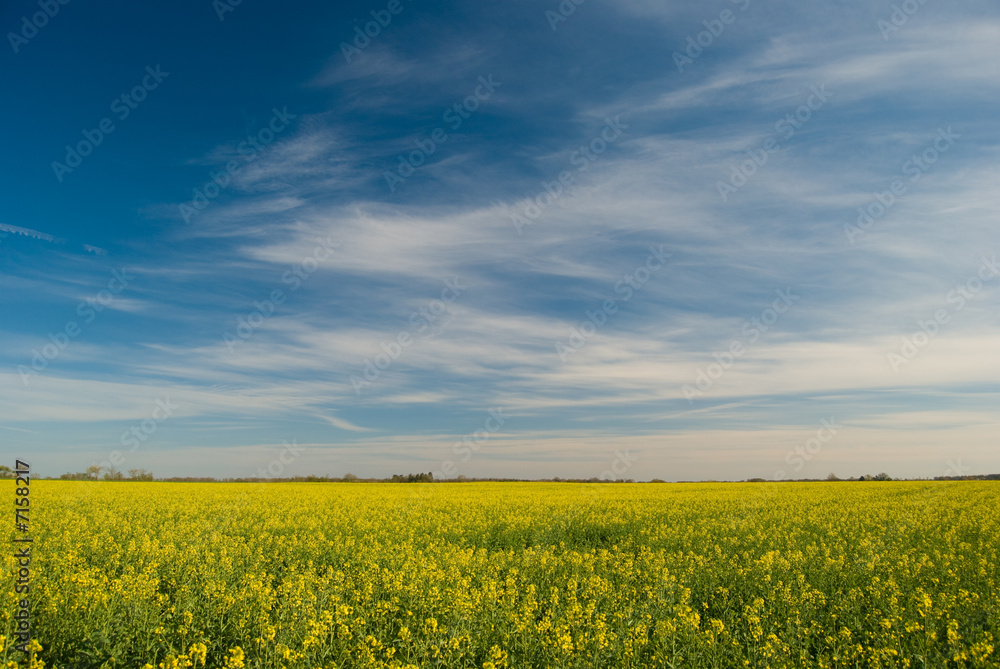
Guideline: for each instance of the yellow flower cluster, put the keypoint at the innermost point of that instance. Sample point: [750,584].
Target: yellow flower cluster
[505,576]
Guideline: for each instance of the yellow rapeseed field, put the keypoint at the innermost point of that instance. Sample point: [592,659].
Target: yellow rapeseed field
[486,575]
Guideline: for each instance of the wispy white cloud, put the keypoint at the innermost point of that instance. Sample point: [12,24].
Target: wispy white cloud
[496,344]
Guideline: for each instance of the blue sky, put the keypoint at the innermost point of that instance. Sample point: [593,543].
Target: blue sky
[675,240]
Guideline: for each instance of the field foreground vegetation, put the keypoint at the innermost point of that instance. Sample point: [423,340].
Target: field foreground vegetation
[486,575]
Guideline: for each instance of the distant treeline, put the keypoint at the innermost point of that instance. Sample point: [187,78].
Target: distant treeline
[886,477]
[976,477]
[833,477]
[97,473]
[396,478]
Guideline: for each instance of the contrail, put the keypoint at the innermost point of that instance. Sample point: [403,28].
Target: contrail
[35,234]
[16,429]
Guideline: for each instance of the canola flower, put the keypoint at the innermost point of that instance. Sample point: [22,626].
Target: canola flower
[501,575]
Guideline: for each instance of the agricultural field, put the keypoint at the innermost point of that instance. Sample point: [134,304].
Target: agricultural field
[519,575]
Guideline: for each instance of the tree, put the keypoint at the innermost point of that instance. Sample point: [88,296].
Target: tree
[94,472]
[112,474]
[6,472]
[832,477]
[411,478]
[140,475]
